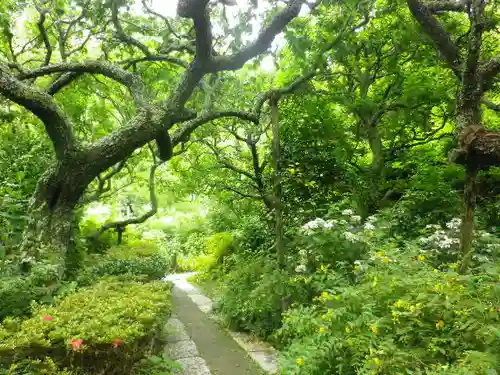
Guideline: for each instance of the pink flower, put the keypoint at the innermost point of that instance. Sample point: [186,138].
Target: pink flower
[47,317]
[117,343]
[76,344]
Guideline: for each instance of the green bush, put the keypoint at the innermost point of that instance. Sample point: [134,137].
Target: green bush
[35,367]
[156,365]
[18,292]
[153,267]
[133,250]
[403,317]
[105,328]
[251,295]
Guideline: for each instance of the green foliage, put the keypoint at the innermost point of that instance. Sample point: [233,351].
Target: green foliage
[18,292]
[107,327]
[36,367]
[156,365]
[403,317]
[153,268]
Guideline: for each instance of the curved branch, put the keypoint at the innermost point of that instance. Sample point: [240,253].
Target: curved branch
[45,36]
[438,34]
[183,133]
[122,35]
[263,41]
[42,105]
[130,80]
[62,81]
[145,216]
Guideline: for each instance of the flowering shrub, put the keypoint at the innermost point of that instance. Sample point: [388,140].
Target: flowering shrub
[403,317]
[442,243]
[102,329]
[337,242]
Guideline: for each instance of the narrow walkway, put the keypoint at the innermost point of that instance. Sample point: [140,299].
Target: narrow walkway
[202,347]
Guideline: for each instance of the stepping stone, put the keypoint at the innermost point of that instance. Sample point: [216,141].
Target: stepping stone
[182,349]
[175,331]
[203,303]
[194,366]
[267,361]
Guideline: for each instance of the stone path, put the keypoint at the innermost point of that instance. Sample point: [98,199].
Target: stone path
[202,347]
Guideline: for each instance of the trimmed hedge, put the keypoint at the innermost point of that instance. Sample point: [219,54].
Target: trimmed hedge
[105,328]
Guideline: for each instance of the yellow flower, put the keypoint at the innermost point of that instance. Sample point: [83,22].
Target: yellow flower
[348,330]
[421,257]
[300,361]
[440,324]
[324,295]
[374,329]
[379,253]
[324,268]
[322,330]
[376,361]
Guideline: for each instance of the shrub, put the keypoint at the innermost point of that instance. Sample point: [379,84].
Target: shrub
[156,365]
[35,367]
[17,292]
[101,329]
[404,316]
[136,249]
[153,267]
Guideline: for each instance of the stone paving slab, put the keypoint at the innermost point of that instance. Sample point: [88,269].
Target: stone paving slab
[194,366]
[182,349]
[175,331]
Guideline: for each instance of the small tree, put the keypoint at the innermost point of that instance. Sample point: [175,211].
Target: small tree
[475,61]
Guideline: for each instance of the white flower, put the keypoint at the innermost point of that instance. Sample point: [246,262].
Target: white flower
[369,226]
[351,237]
[371,219]
[485,234]
[454,223]
[356,218]
[445,243]
[347,212]
[301,268]
[432,226]
[303,252]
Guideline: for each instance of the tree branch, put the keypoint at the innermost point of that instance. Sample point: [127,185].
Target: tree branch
[262,43]
[130,80]
[438,34]
[122,35]
[489,71]
[139,219]
[43,32]
[183,133]
[41,104]
[438,6]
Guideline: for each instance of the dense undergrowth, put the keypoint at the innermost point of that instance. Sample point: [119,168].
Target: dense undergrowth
[361,297]
[108,318]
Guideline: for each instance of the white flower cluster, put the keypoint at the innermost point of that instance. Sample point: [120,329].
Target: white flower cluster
[301,267]
[353,218]
[318,223]
[440,239]
[370,223]
[454,224]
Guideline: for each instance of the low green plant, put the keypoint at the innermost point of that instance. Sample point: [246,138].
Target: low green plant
[105,328]
[132,250]
[152,267]
[156,365]
[44,366]
[402,317]
[17,292]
